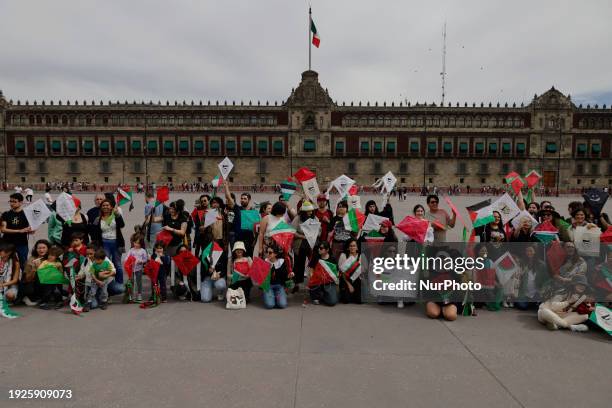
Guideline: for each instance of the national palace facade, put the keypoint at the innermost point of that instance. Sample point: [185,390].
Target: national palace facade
[464,144]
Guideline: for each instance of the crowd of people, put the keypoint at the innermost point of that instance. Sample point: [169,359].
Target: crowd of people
[88,250]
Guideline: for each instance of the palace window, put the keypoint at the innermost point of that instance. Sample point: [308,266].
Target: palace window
[432,147]
[365,147]
[463,147]
[309,145]
[262,146]
[184,146]
[448,147]
[136,146]
[120,146]
[40,146]
[551,147]
[339,147]
[215,146]
[520,148]
[581,148]
[168,146]
[506,147]
[414,147]
[595,148]
[230,146]
[88,146]
[72,146]
[390,147]
[104,146]
[20,147]
[377,147]
[246,146]
[492,147]
[479,147]
[198,146]
[278,146]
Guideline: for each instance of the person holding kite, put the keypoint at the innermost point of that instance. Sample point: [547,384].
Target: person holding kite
[77,224]
[351,264]
[268,223]
[240,270]
[175,226]
[275,295]
[164,261]
[107,233]
[301,247]
[323,281]
[324,215]
[441,220]
[214,273]
[568,310]
[339,234]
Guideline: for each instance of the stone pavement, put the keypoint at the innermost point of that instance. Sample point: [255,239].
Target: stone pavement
[190,354]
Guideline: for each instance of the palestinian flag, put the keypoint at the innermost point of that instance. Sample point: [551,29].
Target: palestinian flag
[240,271]
[323,273]
[260,273]
[316,39]
[350,266]
[374,236]
[185,262]
[353,220]
[124,197]
[545,232]
[211,255]
[481,213]
[217,181]
[288,187]
[283,235]
[50,275]
[248,219]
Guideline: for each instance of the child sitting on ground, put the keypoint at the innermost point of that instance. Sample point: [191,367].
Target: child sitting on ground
[102,273]
[568,310]
[52,265]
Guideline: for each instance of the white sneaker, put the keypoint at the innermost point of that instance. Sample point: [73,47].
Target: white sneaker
[220,297]
[400,304]
[28,302]
[315,302]
[579,328]
[139,297]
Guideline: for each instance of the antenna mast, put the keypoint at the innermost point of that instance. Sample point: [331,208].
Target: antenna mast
[443,73]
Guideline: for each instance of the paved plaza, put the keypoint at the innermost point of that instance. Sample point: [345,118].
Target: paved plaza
[189,354]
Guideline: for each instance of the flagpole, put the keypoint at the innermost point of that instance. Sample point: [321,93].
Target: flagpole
[309,36]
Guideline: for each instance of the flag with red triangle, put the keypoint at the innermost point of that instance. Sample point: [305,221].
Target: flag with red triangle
[151,269]
[128,266]
[164,237]
[211,254]
[353,220]
[283,235]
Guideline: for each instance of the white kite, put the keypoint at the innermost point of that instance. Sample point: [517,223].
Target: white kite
[37,213]
[211,217]
[506,206]
[311,189]
[386,183]
[225,168]
[311,229]
[343,184]
[354,202]
[65,207]
[372,223]
[516,221]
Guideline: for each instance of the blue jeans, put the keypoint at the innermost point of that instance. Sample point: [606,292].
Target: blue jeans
[209,286]
[112,252]
[22,254]
[275,296]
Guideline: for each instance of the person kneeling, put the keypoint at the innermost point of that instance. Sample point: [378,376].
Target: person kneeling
[323,281]
[276,296]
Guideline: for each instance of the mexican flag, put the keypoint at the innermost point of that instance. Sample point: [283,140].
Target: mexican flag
[353,220]
[211,254]
[283,235]
[288,187]
[124,197]
[316,39]
[217,181]
[50,275]
[481,213]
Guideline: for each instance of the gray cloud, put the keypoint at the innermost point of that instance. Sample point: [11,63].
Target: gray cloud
[255,50]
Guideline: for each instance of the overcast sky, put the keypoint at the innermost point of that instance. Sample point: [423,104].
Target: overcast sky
[379,50]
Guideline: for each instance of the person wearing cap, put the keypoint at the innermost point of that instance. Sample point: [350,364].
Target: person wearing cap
[240,269]
[78,223]
[548,213]
[301,247]
[324,215]
[567,310]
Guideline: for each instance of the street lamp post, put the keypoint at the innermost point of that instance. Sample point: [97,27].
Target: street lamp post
[144,150]
[424,149]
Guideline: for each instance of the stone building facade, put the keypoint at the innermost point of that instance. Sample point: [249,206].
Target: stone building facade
[465,144]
